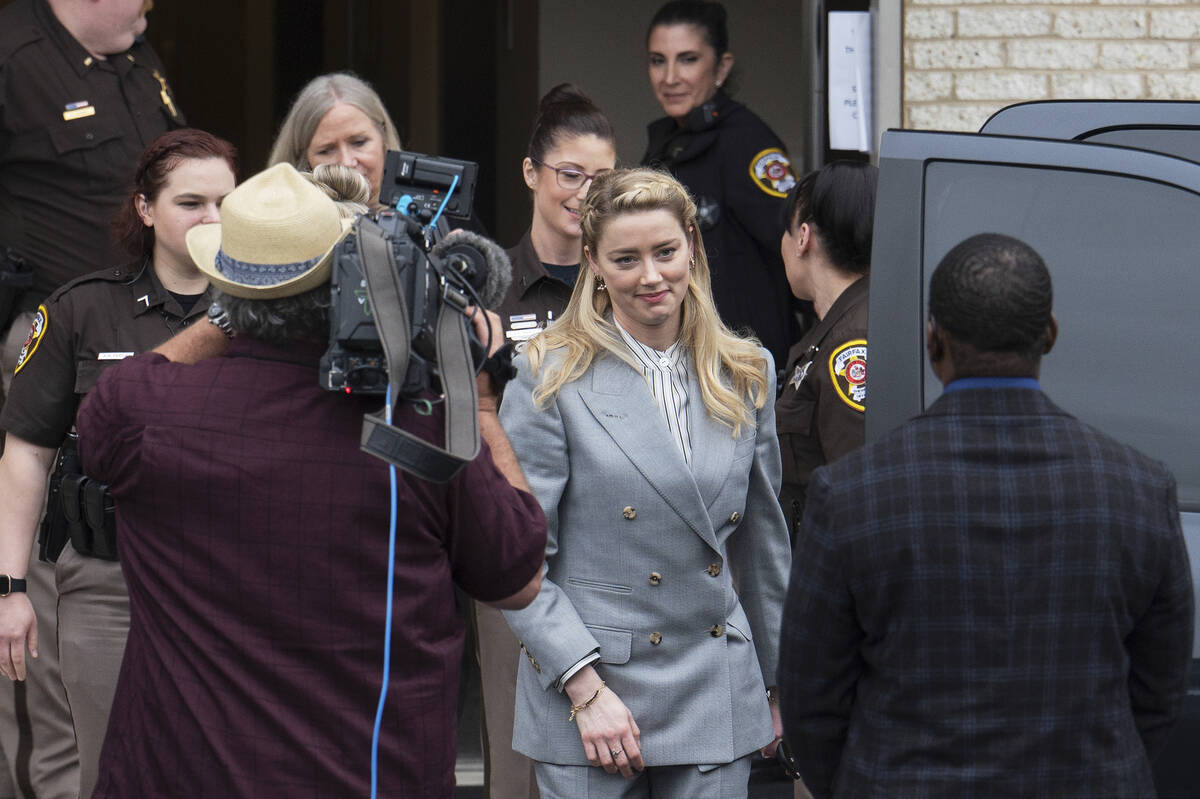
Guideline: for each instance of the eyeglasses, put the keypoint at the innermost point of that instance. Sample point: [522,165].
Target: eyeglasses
[568,177]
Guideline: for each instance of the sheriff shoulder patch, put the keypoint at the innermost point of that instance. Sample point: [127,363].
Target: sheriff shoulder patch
[848,373]
[772,172]
[36,331]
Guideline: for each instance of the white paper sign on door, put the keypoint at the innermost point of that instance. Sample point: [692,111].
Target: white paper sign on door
[850,80]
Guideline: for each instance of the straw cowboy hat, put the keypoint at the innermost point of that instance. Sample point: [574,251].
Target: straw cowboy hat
[275,238]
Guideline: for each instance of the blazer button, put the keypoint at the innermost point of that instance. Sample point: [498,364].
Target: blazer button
[714,569]
[733,517]
[655,638]
[629,512]
[717,631]
[655,578]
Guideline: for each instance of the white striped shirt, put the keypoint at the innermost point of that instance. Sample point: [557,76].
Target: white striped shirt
[666,377]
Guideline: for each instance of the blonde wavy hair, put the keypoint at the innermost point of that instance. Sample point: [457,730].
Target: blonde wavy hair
[731,369]
[349,190]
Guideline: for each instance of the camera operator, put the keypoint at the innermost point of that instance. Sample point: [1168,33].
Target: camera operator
[255,540]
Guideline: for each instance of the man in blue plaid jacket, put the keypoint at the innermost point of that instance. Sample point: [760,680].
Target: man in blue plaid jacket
[994,600]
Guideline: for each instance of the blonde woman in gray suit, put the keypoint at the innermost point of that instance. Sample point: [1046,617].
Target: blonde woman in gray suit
[646,429]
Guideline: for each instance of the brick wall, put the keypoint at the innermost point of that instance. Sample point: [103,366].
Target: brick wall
[964,59]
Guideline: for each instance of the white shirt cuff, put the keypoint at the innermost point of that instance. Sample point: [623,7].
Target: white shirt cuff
[587,660]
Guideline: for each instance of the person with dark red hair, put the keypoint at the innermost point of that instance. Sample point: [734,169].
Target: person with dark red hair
[85,326]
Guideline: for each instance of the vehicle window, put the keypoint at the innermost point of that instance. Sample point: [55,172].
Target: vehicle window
[1181,142]
[1123,253]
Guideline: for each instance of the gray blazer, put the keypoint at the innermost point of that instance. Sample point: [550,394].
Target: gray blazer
[641,560]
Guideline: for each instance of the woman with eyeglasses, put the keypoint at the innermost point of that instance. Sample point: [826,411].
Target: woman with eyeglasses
[572,142]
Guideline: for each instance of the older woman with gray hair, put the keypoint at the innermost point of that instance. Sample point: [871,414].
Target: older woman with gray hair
[337,119]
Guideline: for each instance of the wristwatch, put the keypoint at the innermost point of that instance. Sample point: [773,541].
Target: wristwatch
[219,317]
[11,585]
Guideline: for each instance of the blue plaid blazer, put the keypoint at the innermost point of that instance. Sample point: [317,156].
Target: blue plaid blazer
[993,600]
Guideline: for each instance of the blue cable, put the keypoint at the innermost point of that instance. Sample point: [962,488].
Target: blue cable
[449,193]
[387,627]
[391,575]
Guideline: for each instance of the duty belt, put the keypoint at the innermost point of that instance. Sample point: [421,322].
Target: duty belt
[80,510]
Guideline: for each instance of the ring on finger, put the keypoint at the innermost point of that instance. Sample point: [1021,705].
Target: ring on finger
[616,753]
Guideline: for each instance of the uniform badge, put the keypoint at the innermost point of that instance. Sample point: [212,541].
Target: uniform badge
[78,110]
[708,212]
[799,375]
[524,326]
[165,95]
[848,373]
[772,172]
[36,331]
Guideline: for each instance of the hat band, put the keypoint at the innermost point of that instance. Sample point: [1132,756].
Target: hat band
[248,274]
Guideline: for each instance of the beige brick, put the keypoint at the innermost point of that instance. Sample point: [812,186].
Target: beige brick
[929,24]
[1000,86]
[949,117]
[1173,86]
[1195,57]
[1175,24]
[1050,54]
[1144,55]
[927,86]
[957,55]
[1097,85]
[1002,22]
[1146,2]
[945,2]
[1096,23]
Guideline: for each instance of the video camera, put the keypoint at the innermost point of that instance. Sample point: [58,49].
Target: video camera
[399,286]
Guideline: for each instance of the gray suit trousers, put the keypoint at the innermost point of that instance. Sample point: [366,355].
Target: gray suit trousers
[728,781]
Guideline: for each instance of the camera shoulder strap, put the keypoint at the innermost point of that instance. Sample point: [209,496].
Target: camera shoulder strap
[386,441]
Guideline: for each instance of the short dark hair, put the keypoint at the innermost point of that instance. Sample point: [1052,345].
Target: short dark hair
[566,112]
[993,293]
[838,200]
[284,320]
[155,165]
[705,15]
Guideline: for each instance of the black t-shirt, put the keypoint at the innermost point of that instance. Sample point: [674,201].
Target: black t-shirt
[564,274]
[72,128]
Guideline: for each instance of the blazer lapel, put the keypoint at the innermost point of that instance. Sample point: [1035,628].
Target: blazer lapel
[621,403]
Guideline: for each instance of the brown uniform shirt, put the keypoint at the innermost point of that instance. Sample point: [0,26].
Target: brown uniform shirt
[820,414]
[72,128]
[534,298]
[79,331]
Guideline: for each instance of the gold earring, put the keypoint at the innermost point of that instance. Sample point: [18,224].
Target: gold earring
[692,260]
[600,286]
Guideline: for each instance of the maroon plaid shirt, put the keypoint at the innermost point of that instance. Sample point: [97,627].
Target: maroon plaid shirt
[253,537]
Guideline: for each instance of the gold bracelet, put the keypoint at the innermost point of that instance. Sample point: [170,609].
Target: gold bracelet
[576,708]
